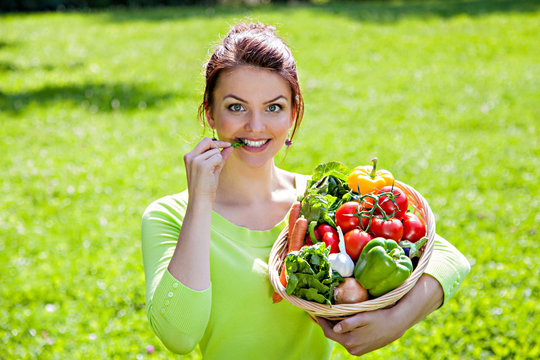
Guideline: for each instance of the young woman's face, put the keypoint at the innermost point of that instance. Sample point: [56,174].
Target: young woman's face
[252,105]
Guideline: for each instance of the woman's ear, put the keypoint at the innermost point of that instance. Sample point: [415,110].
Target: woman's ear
[209,118]
[293,117]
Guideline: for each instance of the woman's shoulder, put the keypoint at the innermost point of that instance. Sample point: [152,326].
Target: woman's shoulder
[174,204]
[295,180]
[300,183]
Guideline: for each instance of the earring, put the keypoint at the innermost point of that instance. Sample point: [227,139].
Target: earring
[288,142]
[214,134]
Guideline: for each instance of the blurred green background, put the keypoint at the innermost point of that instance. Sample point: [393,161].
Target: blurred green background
[97,109]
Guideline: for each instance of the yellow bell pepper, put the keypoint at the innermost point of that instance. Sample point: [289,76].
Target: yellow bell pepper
[366,179]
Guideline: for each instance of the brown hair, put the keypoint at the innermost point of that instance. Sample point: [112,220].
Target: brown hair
[257,45]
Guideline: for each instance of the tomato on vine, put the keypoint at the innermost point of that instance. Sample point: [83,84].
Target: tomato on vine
[413,228]
[394,204]
[388,229]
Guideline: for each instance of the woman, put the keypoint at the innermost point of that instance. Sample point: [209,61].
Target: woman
[205,250]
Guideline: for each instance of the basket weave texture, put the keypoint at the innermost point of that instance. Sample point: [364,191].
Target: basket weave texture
[340,311]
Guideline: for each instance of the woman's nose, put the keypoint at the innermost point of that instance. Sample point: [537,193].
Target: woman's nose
[255,122]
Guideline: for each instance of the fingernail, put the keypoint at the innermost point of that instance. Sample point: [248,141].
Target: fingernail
[337,328]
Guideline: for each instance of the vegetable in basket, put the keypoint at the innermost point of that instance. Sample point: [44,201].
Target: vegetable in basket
[413,228]
[325,192]
[412,249]
[382,266]
[324,233]
[367,179]
[347,216]
[350,292]
[309,275]
[341,261]
[386,228]
[355,240]
[394,204]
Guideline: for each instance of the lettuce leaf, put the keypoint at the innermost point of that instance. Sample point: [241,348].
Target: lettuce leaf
[334,168]
[325,192]
[310,276]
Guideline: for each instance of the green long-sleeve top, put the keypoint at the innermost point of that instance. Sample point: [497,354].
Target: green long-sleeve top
[235,317]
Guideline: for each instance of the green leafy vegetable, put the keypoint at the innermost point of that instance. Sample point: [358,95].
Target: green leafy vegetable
[315,207]
[237,143]
[310,276]
[325,192]
[334,168]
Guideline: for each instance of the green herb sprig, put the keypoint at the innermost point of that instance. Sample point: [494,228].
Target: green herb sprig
[237,143]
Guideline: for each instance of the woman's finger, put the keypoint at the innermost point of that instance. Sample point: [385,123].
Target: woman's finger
[207,144]
[206,155]
[353,322]
[222,144]
[226,152]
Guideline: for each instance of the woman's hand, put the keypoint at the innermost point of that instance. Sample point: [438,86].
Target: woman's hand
[371,330]
[365,332]
[203,166]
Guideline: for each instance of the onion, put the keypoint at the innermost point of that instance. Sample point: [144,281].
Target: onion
[350,292]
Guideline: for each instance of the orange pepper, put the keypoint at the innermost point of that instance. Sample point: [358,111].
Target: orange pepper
[366,179]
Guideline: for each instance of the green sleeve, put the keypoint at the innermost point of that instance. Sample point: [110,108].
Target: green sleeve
[448,266]
[178,315]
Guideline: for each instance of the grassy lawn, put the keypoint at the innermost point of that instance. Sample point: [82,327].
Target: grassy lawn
[97,110]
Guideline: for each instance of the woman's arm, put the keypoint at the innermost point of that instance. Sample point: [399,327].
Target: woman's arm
[178,314]
[369,331]
[448,265]
[190,263]
[176,252]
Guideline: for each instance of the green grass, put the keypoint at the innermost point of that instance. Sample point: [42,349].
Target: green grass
[97,110]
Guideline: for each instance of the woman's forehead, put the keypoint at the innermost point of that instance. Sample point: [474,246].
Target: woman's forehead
[249,82]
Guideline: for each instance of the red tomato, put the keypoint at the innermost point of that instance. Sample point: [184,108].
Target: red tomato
[346,216]
[396,204]
[329,236]
[388,229]
[355,240]
[413,228]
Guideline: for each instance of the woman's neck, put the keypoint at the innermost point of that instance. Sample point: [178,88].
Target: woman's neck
[242,185]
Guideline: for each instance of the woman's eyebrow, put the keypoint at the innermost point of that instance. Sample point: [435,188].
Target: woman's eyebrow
[234,97]
[276,99]
[242,100]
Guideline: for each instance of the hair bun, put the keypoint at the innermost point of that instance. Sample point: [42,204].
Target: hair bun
[252,26]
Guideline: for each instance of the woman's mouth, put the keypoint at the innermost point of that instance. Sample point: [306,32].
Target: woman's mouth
[253,145]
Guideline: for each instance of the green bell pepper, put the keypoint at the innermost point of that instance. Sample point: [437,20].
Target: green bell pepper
[382,266]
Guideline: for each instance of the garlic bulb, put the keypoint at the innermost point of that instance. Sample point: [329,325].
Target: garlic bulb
[341,262]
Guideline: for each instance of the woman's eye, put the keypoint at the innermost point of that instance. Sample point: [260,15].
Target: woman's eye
[274,108]
[236,107]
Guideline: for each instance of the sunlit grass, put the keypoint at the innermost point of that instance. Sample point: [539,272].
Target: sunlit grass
[97,110]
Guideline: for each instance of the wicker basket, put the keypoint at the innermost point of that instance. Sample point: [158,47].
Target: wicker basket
[336,312]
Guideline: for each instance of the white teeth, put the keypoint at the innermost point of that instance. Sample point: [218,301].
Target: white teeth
[254,143]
